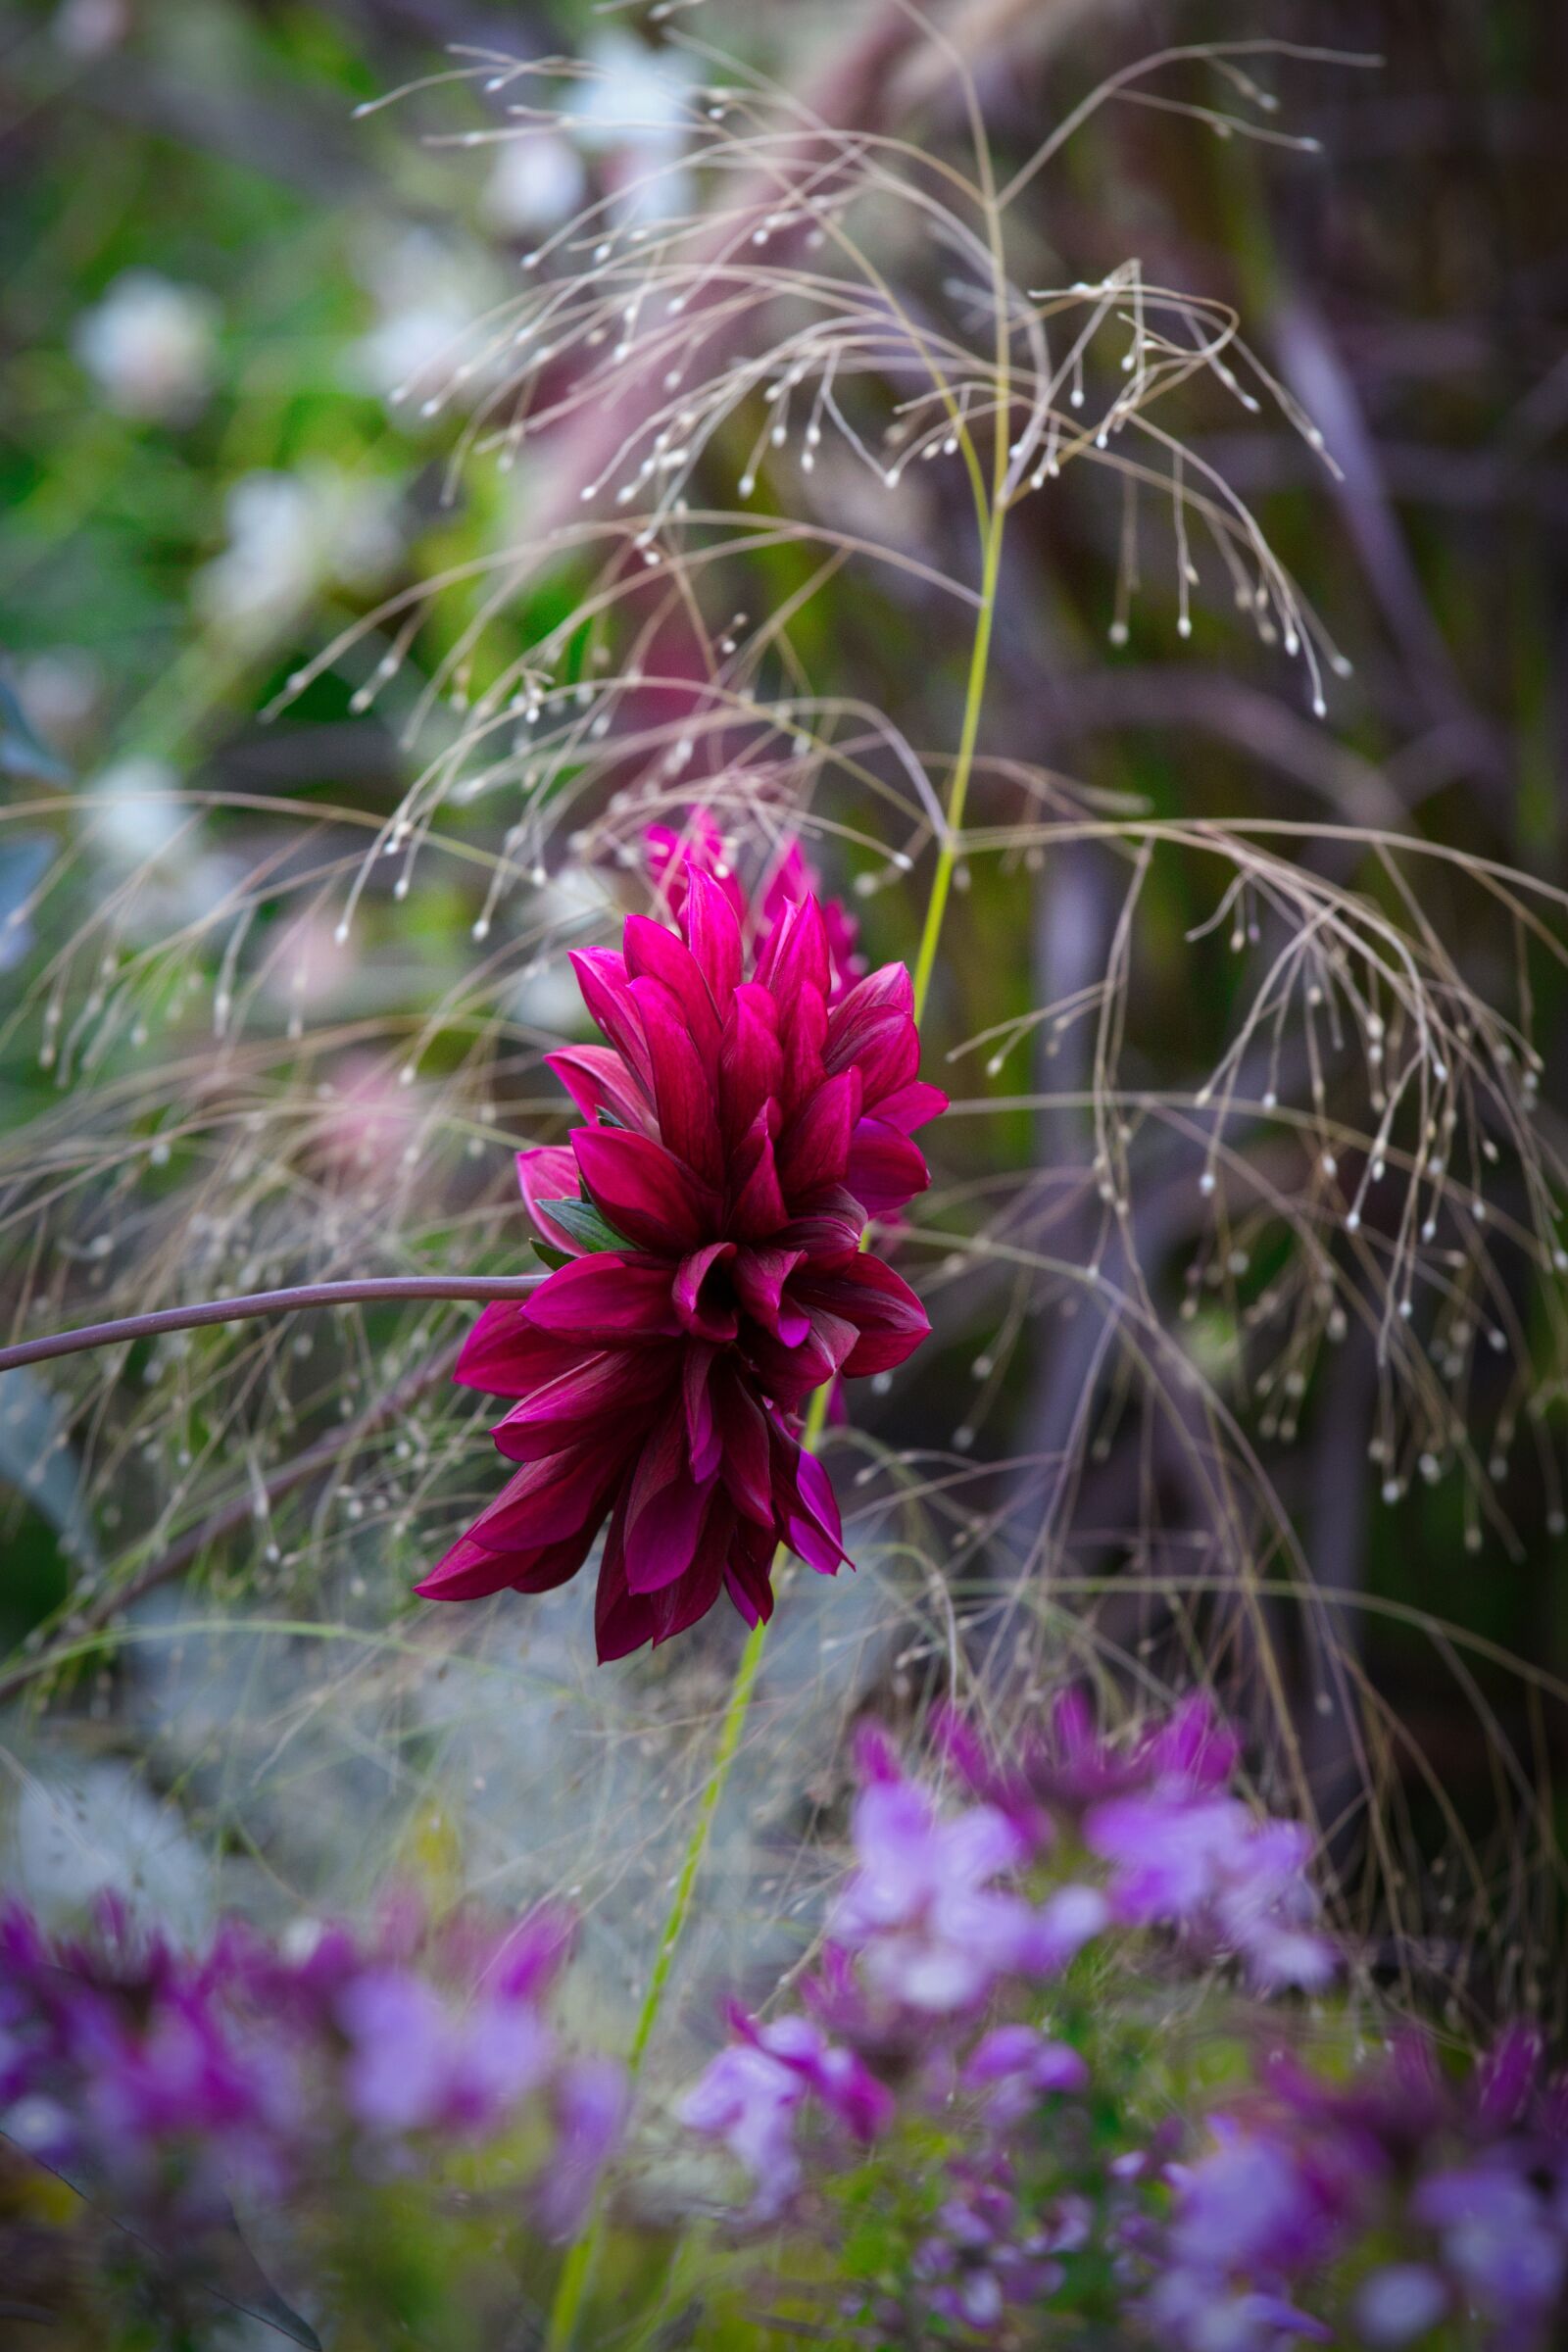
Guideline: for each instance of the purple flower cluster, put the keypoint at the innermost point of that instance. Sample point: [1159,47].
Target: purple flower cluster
[1432,2201]
[1174,1847]
[940,1917]
[751,2095]
[1025,2167]
[162,2082]
[987,2253]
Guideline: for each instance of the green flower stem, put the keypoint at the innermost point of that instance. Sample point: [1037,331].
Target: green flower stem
[582,2256]
[963,765]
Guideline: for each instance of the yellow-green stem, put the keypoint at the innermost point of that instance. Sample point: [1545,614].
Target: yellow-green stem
[964,763]
[577,2269]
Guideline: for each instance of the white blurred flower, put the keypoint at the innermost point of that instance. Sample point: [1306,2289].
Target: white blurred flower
[634,107]
[89,28]
[147,834]
[290,535]
[547,997]
[559,914]
[432,295]
[538,181]
[138,818]
[96,1832]
[59,691]
[151,346]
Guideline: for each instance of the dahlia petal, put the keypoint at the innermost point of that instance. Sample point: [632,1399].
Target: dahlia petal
[751,1062]
[680,1604]
[659,1461]
[684,1603]
[547,1173]
[814,1149]
[545,1568]
[788,1375]
[885,1168]
[688,1122]
[598,1080]
[789,879]
[655,954]
[745,1454]
[748,1578]
[704,1444]
[708,1319]
[815,1532]
[644,1192]
[802,1030]
[551,1499]
[605,982]
[624,1620]
[507,1356]
[888,989]
[794,955]
[887,1054]
[608,1298]
[760,1207]
[890,1318]
[467,1572]
[598,1391]
[829,1230]
[912,1106]
[661,1538]
[759,1275]
[709,919]
[678,860]
[471,1570]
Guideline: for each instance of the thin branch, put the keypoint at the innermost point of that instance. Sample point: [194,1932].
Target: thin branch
[394,1289]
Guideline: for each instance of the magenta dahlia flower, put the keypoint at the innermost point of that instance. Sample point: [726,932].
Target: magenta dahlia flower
[699,847]
[708,1225]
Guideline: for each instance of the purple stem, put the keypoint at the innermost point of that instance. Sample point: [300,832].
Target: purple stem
[392,1287]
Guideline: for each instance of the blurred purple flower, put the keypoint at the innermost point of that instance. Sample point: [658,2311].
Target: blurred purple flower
[1500,2237]
[750,2096]
[985,2255]
[1400,2304]
[933,1932]
[418,2067]
[1020,2067]
[160,2080]
[591,2100]
[1204,1864]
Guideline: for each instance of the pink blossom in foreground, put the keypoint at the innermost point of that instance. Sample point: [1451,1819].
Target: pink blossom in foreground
[712,1216]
